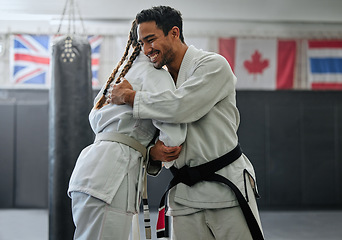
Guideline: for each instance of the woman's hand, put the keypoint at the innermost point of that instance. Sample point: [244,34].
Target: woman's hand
[160,152]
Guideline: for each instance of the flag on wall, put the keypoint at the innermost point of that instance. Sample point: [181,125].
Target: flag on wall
[30,59]
[95,44]
[325,64]
[266,64]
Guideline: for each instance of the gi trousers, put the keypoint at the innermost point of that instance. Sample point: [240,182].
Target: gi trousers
[216,224]
[96,220]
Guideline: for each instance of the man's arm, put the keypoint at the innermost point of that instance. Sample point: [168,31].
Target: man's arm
[168,148]
[124,94]
[211,82]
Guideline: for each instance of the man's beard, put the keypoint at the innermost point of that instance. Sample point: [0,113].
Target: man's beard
[168,57]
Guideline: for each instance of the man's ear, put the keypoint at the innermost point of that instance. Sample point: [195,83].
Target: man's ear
[174,32]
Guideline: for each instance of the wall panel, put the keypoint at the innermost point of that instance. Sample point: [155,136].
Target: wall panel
[284,153]
[293,139]
[7,152]
[252,127]
[32,154]
[318,155]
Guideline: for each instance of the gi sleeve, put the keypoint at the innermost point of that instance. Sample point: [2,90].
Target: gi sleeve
[171,134]
[210,80]
[155,82]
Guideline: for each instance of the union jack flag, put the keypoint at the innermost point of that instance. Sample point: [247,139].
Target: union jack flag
[95,44]
[30,59]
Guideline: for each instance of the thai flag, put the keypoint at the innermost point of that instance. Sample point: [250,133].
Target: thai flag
[95,44]
[30,59]
[325,64]
[260,64]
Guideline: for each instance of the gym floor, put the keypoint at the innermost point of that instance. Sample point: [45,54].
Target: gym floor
[32,224]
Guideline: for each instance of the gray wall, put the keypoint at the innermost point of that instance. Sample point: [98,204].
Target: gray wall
[293,138]
[23,148]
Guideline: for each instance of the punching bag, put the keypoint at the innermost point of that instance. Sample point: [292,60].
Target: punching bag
[69,129]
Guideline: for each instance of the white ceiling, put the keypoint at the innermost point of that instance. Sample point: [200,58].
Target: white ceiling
[265,10]
[115,15]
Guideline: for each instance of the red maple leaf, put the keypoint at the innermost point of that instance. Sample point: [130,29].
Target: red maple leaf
[257,65]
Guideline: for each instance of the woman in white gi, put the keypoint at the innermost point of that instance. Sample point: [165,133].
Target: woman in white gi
[106,180]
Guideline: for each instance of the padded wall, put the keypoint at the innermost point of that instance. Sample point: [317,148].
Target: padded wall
[293,139]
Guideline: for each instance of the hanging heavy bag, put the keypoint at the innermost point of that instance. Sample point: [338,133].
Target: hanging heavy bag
[70,104]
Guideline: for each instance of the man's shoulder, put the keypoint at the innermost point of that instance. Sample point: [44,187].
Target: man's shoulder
[202,56]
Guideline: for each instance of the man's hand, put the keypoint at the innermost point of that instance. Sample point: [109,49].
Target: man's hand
[121,93]
[160,152]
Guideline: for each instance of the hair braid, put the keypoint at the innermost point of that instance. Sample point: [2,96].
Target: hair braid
[128,65]
[132,40]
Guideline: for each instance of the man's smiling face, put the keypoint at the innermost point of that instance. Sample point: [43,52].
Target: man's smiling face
[155,44]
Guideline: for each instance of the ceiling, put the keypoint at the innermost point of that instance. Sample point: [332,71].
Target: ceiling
[112,15]
[114,10]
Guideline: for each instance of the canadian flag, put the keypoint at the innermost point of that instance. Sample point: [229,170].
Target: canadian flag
[266,64]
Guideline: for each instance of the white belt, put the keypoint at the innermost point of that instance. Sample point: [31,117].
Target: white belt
[121,138]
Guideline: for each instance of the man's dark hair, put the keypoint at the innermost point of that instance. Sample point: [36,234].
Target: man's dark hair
[165,17]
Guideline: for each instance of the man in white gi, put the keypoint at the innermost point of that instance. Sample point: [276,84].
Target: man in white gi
[205,100]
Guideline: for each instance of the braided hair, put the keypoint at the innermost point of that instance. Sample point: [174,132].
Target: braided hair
[132,41]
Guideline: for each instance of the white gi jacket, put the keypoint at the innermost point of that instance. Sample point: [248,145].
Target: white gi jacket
[205,100]
[101,167]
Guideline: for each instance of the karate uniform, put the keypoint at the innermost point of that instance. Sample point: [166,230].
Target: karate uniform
[105,169]
[205,100]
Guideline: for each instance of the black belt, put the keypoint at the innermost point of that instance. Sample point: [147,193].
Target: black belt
[206,172]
